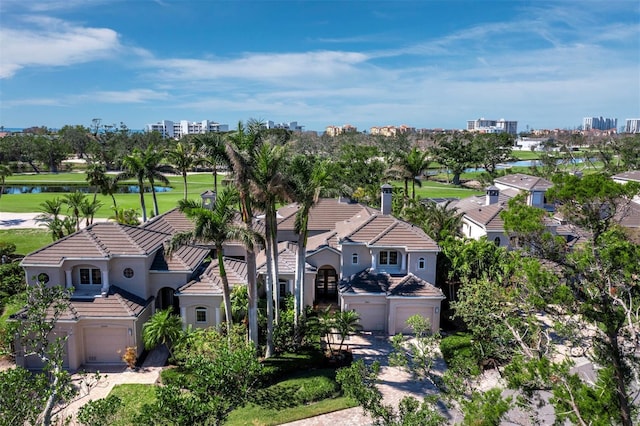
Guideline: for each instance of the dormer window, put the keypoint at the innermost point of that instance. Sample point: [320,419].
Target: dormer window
[388,258]
[90,276]
[421,263]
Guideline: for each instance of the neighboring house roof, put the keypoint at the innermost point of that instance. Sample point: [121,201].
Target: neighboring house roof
[98,241]
[476,209]
[287,259]
[387,231]
[524,182]
[630,176]
[117,303]
[368,281]
[171,222]
[323,216]
[210,283]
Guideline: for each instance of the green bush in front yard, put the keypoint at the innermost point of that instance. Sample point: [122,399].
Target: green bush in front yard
[308,387]
[459,353]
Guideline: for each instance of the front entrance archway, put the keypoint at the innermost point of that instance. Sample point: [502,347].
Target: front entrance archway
[166,299]
[326,285]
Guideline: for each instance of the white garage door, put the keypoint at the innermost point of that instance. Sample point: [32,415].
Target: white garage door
[372,316]
[105,344]
[404,312]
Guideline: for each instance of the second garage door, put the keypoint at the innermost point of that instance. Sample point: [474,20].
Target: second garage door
[105,344]
[404,312]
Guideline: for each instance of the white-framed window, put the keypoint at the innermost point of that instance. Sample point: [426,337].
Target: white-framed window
[354,258]
[388,258]
[422,263]
[128,273]
[201,314]
[90,276]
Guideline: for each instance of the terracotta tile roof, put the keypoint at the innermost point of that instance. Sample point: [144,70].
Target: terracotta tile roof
[287,259]
[171,222]
[185,258]
[369,281]
[387,231]
[210,283]
[323,216]
[117,303]
[98,241]
[411,285]
[632,175]
[525,182]
[326,239]
[476,209]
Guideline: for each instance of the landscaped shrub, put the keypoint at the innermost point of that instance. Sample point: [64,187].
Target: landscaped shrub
[100,412]
[307,388]
[459,353]
[281,365]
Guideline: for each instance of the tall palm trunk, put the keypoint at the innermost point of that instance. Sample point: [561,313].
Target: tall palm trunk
[156,211]
[274,270]
[142,205]
[269,286]
[226,294]
[184,179]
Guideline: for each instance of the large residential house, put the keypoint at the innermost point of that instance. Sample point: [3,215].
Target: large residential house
[356,257]
[481,214]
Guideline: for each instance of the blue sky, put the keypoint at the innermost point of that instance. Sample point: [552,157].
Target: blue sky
[427,64]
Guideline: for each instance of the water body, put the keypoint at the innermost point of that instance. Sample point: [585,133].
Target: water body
[38,189]
[523,163]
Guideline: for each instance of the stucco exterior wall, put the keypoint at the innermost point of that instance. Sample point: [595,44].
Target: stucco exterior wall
[188,305]
[428,273]
[347,266]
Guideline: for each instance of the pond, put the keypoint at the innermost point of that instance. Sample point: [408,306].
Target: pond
[38,189]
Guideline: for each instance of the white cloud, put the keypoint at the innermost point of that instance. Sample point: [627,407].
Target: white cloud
[53,42]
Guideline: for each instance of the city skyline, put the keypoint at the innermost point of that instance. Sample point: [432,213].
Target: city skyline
[427,64]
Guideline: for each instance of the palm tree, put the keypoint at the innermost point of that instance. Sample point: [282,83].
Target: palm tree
[96,176]
[125,216]
[50,217]
[75,201]
[211,226]
[409,166]
[153,171]
[5,171]
[240,150]
[346,323]
[134,168]
[212,147]
[89,209]
[310,179]
[162,328]
[268,187]
[441,221]
[183,159]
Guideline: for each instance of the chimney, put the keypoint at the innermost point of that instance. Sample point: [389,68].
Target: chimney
[387,191]
[493,194]
[208,199]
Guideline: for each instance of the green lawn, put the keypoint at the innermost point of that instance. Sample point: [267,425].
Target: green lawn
[134,396]
[26,240]
[525,155]
[26,203]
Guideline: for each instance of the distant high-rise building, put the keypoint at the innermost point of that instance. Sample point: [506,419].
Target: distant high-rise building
[169,129]
[599,123]
[632,126]
[482,125]
[292,125]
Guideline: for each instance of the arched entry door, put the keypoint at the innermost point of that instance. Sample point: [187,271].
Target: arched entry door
[166,298]
[326,284]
